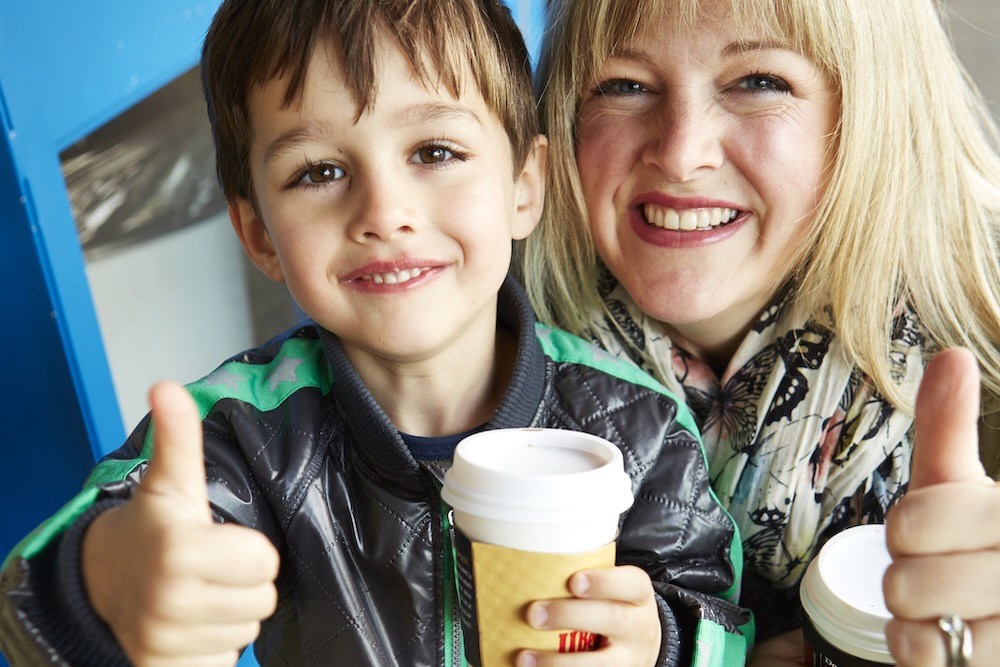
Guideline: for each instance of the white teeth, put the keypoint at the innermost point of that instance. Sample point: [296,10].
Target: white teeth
[688,219]
[394,277]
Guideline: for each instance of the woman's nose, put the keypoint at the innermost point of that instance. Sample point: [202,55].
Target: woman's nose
[686,140]
[384,208]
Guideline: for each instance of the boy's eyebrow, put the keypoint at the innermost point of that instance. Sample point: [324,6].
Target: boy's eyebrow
[288,140]
[435,111]
[412,115]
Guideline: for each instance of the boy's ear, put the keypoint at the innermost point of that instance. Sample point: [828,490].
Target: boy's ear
[256,241]
[529,189]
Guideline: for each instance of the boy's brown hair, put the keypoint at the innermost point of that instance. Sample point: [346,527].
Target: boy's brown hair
[252,42]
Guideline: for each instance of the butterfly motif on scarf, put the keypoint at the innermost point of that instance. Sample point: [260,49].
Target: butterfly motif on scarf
[906,332]
[624,323]
[800,350]
[762,546]
[735,410]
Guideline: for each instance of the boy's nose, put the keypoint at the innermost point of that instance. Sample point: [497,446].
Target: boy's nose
[385,209]
[685,140]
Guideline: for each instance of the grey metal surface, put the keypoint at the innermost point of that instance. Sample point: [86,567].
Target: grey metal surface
[975,29]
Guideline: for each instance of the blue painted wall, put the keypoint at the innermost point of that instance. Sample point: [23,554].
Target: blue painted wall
[65,69]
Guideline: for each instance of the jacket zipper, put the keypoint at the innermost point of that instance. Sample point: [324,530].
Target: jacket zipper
[454,647]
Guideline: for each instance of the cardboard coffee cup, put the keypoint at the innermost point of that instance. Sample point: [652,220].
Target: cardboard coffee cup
[531,507]
[844,610]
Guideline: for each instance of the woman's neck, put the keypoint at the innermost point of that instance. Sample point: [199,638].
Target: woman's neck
[716,339]
[714,349]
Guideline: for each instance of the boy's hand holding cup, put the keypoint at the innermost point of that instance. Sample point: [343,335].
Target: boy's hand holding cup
[175,587]
[531,508]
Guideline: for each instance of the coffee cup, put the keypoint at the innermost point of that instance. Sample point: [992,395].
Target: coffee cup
[844,612]
[530,508]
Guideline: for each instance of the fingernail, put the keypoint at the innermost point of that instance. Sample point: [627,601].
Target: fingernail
[579,584]
[538,616]
[525,659]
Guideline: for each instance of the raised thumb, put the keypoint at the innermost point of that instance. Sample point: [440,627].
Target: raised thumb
[177,467]
[946,446]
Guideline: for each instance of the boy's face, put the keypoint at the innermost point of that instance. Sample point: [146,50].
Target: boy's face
[392,230]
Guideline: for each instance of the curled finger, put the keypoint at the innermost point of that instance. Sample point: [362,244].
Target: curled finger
[925,644]
[925,587]
[625,583]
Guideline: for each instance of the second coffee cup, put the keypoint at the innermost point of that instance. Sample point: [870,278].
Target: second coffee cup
[531,507]
[844,612]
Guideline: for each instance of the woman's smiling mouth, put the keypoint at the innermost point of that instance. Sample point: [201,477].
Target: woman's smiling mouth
[690,219]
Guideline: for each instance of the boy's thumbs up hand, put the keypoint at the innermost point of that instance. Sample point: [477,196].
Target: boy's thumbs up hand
[944,536]
[175,587]
[177,469]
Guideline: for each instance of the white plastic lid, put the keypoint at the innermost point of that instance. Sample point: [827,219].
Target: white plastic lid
[842,592]
[537,476]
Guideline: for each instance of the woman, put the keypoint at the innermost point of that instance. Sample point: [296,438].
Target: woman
[782,209]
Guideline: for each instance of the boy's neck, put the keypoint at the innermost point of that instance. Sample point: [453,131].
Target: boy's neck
[445,395]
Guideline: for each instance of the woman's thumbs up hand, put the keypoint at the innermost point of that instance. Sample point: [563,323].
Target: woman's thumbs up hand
[944,535]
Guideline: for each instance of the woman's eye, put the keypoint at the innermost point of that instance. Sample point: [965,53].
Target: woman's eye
[321,174]
[433,155]
[620,87]
[764,83]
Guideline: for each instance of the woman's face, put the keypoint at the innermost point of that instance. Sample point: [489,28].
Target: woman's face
[702,157]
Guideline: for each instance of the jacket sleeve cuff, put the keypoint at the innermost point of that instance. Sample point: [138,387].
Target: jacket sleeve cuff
[77,632]
[670,636]
[701,629]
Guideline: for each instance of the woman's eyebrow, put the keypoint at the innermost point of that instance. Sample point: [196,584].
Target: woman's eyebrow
[632,55]
[745,46]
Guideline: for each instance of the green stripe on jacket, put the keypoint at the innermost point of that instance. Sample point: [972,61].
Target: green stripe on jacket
[299,363]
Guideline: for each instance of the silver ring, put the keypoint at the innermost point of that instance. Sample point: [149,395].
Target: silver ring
[958,640]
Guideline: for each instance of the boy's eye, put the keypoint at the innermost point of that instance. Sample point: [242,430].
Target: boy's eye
[432,155]
[320,174]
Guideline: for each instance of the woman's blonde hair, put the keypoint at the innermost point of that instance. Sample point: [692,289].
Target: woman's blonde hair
[911,212]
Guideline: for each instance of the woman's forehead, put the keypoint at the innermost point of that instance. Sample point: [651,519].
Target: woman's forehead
[633,23]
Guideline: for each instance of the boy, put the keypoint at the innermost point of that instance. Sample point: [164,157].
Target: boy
[379,158]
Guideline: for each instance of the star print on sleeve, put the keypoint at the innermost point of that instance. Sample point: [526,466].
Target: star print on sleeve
[224,377]
[265,382]
[285,371]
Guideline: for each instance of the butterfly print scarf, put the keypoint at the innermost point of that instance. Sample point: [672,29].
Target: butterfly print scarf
[792,431]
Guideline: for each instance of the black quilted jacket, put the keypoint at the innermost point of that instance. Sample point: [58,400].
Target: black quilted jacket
[297,448]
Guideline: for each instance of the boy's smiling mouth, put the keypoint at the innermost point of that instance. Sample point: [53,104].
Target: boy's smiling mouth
[689,219]
[394,277]
[396,274]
